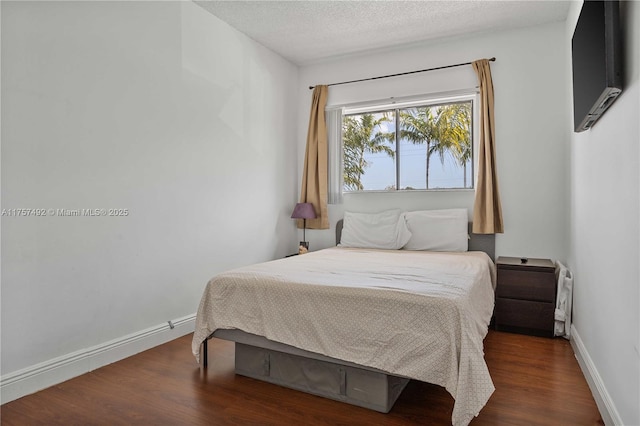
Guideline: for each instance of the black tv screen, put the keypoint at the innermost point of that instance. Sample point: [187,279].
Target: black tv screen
[597,64]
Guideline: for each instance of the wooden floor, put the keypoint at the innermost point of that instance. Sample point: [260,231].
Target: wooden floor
[537,380]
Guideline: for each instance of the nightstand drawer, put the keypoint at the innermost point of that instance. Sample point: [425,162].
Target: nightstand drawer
[525,314]
[526,285]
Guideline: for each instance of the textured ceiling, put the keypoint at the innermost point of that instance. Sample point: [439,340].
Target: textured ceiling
[310,31]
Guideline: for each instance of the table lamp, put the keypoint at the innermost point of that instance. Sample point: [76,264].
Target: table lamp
[303,211]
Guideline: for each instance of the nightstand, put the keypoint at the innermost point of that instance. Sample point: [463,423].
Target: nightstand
[525,296]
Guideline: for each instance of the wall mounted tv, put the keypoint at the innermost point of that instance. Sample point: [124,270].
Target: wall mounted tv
[597,62]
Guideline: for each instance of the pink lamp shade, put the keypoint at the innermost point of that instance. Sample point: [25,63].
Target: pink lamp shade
[303,211]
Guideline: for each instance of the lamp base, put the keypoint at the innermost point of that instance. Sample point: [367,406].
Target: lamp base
[303,247]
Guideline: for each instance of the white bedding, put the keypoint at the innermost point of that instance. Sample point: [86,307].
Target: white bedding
[421,315]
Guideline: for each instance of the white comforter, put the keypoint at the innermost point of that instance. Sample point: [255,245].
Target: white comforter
[421,315]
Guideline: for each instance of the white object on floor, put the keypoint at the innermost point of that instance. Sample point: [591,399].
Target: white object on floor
[563,302]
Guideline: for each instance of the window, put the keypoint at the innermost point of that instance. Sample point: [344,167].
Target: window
[407,146]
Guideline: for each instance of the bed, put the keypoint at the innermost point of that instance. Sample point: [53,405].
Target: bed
[355,324]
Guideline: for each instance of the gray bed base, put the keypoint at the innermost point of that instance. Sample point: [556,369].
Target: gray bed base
[263,359]
[288,366]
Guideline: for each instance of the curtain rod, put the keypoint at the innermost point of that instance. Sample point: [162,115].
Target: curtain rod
[402,73]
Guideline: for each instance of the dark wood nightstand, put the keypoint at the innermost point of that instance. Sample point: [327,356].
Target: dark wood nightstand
[525,296]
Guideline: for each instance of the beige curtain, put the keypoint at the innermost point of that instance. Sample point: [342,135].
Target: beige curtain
[314,177]
[487,210]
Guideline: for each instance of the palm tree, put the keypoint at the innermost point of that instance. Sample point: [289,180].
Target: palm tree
[359,138]
[418,125]
[443,129]
[454,124]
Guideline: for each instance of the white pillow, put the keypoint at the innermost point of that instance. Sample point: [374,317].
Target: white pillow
[384,230]
[438,230]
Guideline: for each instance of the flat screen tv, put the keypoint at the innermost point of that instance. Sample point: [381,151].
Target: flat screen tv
[597,62]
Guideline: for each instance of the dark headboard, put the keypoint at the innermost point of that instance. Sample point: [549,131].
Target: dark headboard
[477,242]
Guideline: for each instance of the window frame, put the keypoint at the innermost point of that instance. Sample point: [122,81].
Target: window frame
[396,104]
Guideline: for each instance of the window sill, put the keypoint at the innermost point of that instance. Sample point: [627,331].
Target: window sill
[409,191]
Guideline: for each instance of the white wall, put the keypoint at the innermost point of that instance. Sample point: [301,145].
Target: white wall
[531,144]
[605,234]
[154,107]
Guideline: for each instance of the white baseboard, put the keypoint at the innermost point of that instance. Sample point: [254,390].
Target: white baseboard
[43,375]
[603,400]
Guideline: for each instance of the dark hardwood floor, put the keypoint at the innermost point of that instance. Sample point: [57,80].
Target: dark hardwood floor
[537,380]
